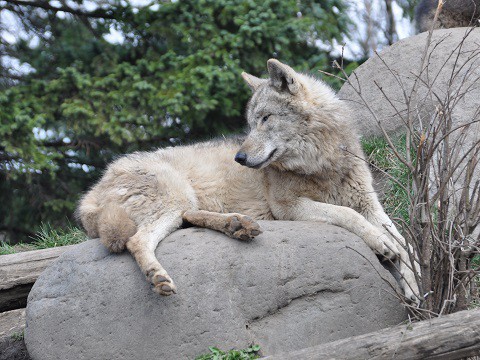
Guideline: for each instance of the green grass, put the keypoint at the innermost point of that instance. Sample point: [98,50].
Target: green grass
[47,237]
[245,354]
[476,261]
[6,249]
[379,154]
[18,335]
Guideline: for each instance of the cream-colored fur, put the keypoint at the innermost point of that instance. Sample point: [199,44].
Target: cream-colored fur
[301,161]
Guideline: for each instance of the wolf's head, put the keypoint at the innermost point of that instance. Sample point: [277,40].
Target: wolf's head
[288,115]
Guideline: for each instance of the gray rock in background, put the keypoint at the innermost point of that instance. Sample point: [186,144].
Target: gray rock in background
[296,285]
[395,70]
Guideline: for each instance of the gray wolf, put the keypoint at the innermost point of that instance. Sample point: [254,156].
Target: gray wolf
[454,13]
[301,160]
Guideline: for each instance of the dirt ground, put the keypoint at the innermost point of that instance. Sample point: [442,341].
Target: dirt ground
[12,346]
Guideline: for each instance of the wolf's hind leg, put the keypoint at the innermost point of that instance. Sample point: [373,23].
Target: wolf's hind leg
[234,225]
[142,246]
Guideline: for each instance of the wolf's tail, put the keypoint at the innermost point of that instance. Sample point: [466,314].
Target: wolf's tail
[115,227]
[111,223]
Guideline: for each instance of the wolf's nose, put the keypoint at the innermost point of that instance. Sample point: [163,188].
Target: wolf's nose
[241,158]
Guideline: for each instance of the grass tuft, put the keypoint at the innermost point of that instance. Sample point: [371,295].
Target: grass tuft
[6,249]
[49,237]
[245,354]
[18,336]
[46,237]
[380,155]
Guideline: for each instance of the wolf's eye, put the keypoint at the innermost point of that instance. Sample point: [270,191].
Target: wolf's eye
[265,118]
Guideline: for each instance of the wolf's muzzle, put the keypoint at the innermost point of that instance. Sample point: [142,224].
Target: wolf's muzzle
[241,158]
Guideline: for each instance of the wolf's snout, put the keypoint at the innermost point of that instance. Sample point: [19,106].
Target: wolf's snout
[241,158]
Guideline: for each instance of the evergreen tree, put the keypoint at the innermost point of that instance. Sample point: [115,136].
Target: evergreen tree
[174,78]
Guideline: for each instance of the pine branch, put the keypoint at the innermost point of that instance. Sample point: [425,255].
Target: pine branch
[98,13]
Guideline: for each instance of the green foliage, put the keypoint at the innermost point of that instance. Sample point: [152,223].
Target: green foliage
[217,354]
[49,237]
[6,249]
[336,77]
[408,6]
[18,336]
[380,155]
[476,262]
[175,78]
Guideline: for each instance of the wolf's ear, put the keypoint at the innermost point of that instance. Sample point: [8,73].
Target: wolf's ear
[252,81]
[283,77]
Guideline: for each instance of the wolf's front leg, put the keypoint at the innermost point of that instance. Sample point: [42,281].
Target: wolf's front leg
[347,218]
[408,270]
[374,237]
[234,225]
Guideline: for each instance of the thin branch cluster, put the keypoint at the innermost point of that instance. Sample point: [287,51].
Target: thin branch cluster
[441,159]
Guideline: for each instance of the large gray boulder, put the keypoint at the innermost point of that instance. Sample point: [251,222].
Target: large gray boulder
[386,81]
[296,285]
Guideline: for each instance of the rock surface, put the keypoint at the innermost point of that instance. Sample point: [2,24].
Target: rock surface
[12,346]
[296,285]
[451,70]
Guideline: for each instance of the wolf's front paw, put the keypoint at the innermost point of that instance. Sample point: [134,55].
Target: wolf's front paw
[409,285]
[390,252]
[242,227]
[163,284]
[411,297]
[387,248]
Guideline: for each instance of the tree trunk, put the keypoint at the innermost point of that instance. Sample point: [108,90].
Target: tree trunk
[391,31]
[18,273]
[454,336]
